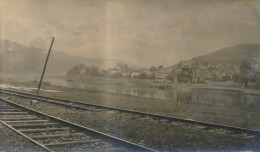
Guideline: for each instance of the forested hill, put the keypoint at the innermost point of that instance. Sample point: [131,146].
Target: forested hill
[233,55]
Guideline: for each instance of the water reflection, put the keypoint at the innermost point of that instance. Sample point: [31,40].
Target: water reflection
[198,97]
[217,106]
[224,107]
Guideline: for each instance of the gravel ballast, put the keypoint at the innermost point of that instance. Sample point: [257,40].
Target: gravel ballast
[157,134]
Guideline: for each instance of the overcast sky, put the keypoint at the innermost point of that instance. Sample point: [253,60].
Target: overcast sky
[144,32]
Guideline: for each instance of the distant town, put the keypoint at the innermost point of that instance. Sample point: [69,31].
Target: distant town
[188,71]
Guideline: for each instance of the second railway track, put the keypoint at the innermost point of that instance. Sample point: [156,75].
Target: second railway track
[55,134]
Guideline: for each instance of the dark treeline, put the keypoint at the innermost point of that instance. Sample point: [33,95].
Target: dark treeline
[121,70]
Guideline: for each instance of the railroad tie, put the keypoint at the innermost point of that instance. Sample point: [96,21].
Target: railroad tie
[34,125]
[18,118]
[13,113]
[8,108]
[43,130]
[2,106]
[72,142]
[26,121]
[57,136]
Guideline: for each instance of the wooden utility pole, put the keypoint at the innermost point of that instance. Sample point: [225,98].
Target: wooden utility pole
[44,68]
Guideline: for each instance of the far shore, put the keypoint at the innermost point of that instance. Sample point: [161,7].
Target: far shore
[210,85]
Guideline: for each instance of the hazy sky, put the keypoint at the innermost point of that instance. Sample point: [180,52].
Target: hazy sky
[144,32]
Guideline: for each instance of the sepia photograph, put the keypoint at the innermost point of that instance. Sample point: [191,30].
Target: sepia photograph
[129,75]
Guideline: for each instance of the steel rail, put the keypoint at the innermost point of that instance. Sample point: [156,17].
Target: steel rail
[156,116]
[87,130]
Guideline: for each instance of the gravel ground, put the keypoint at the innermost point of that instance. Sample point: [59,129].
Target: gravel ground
[13,142]
[160,135]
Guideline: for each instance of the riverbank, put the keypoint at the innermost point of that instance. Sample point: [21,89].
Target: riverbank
[242,90]
[104,84]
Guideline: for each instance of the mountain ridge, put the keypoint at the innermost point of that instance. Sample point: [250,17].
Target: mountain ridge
[20,59]
[233,55]
[40,49]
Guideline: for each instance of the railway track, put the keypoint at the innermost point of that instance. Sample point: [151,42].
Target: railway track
[86,106]
[55,134]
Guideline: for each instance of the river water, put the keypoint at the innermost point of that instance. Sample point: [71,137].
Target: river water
[196,96]
[217,96]
[219,106]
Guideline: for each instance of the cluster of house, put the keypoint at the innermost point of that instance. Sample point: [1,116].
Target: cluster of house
[189,71]
[185,72]
[192,72]
[131,73]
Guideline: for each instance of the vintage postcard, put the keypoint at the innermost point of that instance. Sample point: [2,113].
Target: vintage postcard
[129,75]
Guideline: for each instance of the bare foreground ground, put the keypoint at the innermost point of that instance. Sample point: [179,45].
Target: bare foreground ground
[160,135]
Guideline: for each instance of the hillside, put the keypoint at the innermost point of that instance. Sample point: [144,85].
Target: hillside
[21,60]
[232,55]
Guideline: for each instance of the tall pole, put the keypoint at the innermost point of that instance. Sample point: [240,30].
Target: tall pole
[44,68]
